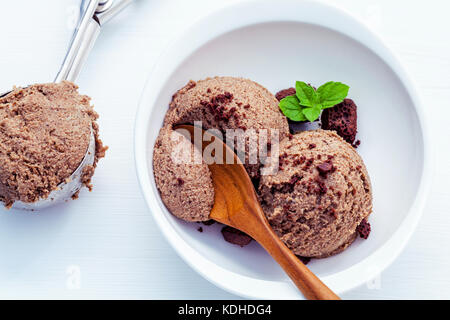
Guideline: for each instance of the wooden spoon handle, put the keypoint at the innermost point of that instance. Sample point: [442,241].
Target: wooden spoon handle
[304,279]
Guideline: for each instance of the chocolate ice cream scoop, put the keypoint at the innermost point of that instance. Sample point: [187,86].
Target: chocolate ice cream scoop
[221,103]
[319,195]
[236,205]
[45,132]
[28,186]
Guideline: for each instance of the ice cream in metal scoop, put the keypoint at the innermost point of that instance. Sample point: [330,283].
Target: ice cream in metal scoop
[95,13]
[236,205]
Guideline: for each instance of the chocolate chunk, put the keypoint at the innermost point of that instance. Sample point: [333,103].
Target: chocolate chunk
[217,106]
[295,178]
[322,188]
[284,93]
[208,222]
[235,236]
[200,229]
[308,163]
[342,118]
[364,229]
[324,168]
[332,212]
[305,260]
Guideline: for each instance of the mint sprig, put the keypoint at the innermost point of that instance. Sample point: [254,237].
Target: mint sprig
[307,103]
[290,106]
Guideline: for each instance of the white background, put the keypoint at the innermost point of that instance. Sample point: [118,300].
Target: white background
[107,239]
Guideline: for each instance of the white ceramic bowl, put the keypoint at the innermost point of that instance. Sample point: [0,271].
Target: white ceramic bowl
[275,43]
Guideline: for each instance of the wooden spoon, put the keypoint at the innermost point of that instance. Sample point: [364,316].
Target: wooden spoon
[236,205]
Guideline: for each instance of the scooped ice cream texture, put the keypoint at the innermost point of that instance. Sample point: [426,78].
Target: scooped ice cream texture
[319,196]
[44,134]
[186,187]
[229,103]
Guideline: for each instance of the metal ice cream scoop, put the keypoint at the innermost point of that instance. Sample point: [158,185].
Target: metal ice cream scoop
[95,13]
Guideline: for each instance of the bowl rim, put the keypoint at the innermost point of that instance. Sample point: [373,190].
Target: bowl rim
[206,29]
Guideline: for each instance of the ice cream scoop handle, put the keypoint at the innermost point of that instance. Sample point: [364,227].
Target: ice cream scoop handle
[82,43]
[107,15]
[95,14]
[310,285]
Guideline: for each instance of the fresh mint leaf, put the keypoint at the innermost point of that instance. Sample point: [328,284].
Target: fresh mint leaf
[308,102]
[306,94]
[290,106]
[332,93]
[312,113]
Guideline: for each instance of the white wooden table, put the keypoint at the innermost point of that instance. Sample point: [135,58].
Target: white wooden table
[106,245]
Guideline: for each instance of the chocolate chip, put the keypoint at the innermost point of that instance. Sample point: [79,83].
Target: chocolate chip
[322,188]
[235,236]
[284,93]
[364,229]
[324,168]
[342,118]
[305,260]
[208,222]
[308,163]
[217,106]
[295,178]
